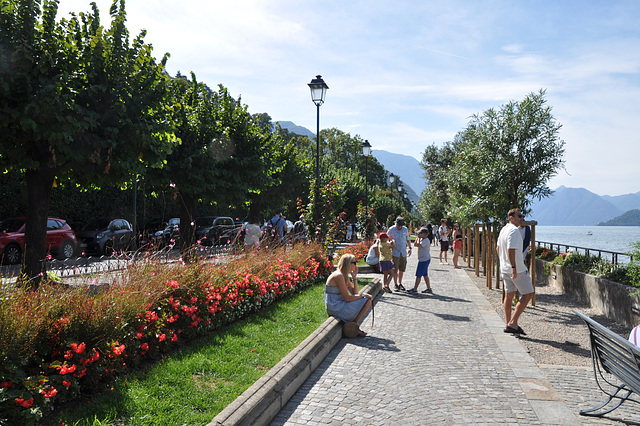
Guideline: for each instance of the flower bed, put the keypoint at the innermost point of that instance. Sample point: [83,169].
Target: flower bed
[359,250]
[58,343]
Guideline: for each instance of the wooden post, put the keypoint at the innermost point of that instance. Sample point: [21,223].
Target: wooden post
[489,255]
[476,252]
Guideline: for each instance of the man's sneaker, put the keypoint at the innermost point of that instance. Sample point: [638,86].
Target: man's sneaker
[427,290]
[412,290]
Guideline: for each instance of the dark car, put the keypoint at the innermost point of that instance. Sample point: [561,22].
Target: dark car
[212,230]
[61,240]
[171,233]
[104,236]
[150,236]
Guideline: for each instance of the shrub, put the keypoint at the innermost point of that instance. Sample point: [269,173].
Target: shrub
[59,342]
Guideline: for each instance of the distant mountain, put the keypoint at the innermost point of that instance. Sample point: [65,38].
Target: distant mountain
[578,206]
[405,166]
[624,202]
[629,218]
[294,128]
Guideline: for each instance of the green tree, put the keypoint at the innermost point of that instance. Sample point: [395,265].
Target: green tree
[75,98]
[224,152]
[504,159]
[434,200]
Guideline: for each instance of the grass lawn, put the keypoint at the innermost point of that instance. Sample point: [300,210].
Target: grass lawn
[192,385]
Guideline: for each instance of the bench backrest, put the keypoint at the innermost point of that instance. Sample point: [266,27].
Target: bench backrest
[616,355]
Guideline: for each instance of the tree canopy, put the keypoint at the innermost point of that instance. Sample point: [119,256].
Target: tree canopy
[503,159]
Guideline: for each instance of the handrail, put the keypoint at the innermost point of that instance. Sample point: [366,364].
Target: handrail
[586,250]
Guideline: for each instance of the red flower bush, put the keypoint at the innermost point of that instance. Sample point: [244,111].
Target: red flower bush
[60,343]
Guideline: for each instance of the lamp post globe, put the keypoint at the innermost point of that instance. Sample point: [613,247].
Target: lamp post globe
[318,91]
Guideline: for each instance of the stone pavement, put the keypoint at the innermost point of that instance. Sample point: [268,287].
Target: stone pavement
[435,358]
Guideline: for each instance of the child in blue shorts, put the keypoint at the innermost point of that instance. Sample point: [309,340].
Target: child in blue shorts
[424,258]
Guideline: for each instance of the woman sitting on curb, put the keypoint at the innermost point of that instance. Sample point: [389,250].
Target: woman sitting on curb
[341,296]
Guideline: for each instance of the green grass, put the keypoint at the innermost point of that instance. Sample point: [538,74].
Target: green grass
[191,386]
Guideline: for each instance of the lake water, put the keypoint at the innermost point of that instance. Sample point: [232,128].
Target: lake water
[611,238]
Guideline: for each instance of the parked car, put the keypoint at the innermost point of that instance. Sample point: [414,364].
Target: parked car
[171,233]
[150,236]
[104,236]
[212,230]
[61,240]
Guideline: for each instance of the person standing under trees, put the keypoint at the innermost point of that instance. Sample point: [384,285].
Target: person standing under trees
[443,236]
[275,229]
[400,234]
[456,235]
[252,233]
[514,272]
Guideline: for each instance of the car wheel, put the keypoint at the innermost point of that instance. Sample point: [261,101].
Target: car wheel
[13,254]
[67,249]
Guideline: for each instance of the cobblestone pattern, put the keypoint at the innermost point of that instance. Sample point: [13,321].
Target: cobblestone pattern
[429,359]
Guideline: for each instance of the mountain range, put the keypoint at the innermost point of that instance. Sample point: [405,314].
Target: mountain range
[565,207]
[578,206]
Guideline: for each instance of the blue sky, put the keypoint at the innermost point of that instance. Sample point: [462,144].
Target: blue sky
[408,74]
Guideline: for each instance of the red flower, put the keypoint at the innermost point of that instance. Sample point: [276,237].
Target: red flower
[118,350]
[66,370]
[144,347]
[66,383]
[6,384]
[78,348]
[24,403]
[49,393]
[173,284]
[162,337]
[68,355]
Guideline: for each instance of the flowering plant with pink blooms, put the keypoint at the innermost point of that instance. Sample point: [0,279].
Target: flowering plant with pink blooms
[58,342]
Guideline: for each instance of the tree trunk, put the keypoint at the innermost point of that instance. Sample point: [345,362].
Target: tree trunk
[187,226]
[39,186]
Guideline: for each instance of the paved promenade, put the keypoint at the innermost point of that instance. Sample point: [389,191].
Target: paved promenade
[436,358]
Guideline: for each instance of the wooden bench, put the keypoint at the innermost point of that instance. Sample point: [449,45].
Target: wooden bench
[617,357]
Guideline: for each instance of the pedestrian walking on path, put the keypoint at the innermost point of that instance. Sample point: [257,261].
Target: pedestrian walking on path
[385,248]
[514,272]
[443,236]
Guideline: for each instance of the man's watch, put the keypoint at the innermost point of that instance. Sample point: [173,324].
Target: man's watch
[513,267]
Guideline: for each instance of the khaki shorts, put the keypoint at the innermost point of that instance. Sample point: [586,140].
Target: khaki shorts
[522,283]
[400,263]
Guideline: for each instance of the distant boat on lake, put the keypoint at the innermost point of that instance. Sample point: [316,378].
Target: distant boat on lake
[589,233]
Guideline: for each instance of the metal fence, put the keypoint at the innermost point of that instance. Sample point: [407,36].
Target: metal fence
[616,257]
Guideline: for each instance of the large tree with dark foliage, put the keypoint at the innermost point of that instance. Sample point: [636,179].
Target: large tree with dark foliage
[76,98]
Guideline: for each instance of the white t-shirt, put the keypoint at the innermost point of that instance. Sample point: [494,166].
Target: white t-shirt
[252,235]
[510,238]
[443,233]
[423,250]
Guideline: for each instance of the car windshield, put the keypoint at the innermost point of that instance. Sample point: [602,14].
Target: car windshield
[11,225]
[174,221]
[96,225]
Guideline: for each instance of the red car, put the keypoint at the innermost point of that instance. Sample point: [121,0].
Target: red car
[61,240]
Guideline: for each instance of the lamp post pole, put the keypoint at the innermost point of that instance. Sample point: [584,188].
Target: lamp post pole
[318,91]
[366,150]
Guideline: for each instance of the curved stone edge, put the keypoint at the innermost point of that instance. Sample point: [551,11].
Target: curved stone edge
[259,404]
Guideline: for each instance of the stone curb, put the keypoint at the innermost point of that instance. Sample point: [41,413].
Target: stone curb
[259,404]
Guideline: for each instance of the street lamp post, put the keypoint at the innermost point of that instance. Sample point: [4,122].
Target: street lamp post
[366,150]
[392,179]
[318,91]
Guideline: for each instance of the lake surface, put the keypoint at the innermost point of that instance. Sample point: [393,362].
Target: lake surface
[611,238]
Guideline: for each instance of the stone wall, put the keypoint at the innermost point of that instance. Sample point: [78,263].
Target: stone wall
[610,298]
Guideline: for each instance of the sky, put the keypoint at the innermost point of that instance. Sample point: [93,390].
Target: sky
[407,74]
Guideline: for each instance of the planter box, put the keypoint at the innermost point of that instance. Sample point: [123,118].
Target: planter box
[610,298]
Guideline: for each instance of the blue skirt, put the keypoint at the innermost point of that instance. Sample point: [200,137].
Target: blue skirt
[339,308]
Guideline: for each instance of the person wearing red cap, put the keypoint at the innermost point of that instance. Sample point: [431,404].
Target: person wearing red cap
[386,259]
